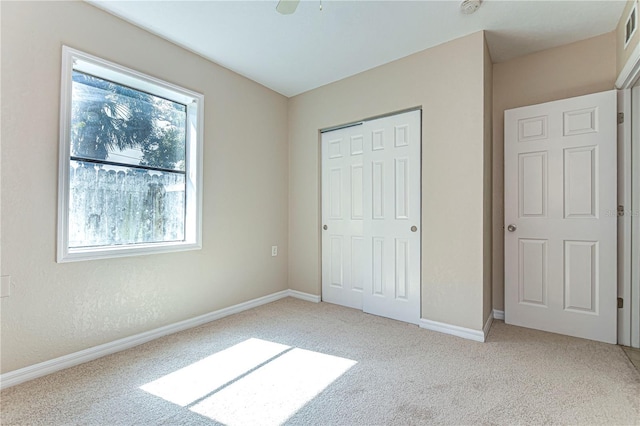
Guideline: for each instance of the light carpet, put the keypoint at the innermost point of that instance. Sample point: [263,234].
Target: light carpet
[297,362]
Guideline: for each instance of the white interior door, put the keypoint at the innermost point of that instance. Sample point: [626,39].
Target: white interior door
[371,216]
[392,228]
[560,217]
[342,216]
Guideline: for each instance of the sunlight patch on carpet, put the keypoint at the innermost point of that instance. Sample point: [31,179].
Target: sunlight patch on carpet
[187,385]
[275,391]
[253,382]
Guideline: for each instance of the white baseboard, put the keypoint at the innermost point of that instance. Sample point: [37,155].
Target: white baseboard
[31,372]
[499,315]
[304,296]
[454,330]
[487,326]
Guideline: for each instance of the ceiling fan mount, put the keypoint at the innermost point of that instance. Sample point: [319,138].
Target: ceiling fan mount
[287,7]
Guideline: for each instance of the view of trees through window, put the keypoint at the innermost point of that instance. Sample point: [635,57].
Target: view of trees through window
[127,168]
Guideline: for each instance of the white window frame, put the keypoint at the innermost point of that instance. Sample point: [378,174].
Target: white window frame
[73,59]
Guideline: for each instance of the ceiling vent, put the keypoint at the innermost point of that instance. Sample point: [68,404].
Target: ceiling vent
[469,6]
[631,25]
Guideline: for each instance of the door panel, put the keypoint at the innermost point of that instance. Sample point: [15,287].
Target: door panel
[357,262]
[336,265]
[581,279]
[532,194]
[580,182]
[560,197]
[533,272]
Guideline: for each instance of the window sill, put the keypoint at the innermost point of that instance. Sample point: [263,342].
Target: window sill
[95,253]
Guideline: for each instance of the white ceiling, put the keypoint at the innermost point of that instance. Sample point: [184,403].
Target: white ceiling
[295,53]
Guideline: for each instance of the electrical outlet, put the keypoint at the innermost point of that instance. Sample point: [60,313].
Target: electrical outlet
[5,286]
[274,250]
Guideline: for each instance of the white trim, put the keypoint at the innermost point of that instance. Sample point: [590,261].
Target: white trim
[499,315]
[73,59]
[31,372]
[624,222]
[629,77]
[630,71]
[634,212]
[487,326]
[454,330]
[304,296]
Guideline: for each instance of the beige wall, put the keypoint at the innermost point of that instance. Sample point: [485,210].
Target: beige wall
[447,81]
[622,52]
[588,66]
[56,309]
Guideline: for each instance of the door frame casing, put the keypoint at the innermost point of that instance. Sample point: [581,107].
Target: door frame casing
[629,197]
[632,214]
[624,222]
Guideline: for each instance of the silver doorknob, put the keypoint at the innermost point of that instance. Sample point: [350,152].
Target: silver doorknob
[325,227]
[511,228]
[414,228]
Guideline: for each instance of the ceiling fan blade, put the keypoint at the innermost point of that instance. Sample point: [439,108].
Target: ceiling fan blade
[287,7]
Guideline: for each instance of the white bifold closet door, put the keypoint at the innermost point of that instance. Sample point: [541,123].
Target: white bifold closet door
[371,216]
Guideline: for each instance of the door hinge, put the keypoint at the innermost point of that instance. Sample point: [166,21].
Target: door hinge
[620,210]
[620,117]
[620,302]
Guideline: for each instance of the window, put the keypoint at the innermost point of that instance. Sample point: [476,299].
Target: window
[130,162]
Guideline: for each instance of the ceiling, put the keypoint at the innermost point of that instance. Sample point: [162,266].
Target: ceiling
[295,53]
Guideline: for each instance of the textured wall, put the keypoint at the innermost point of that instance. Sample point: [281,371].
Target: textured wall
[56,309]
[588,66]
[448,82]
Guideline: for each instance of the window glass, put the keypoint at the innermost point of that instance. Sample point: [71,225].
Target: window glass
[119,124]
[113,205]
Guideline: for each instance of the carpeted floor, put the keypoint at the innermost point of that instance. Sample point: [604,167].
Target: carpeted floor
[319,364]
[634,356]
